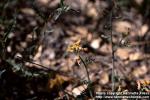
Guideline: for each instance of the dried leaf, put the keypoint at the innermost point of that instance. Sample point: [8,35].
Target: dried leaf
[59,80]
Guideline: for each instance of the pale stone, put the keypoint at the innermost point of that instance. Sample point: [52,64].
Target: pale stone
[95,43]
[137,72]
[28,11]
[77,91]
[104,78]
[122,53]
[122,26]
[135,56]
[143,30]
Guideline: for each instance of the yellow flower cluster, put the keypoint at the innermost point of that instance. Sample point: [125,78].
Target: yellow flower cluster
[75,47]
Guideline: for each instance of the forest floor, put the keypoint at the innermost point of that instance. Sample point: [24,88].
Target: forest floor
[35,64]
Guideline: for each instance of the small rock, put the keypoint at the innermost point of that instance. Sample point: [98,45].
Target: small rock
[82,30]
[122,26]
[9,49]
[23,44]
[78,90]
[105,48]
[143,29]
[137,72]
[95,43]
[45,62]
[43,1]
[92,12]
[18,55]
[135,56]
[139,2]
[104,78]
[28,11]
[123,53]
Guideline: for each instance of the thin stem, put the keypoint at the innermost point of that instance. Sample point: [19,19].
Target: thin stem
[85,67]
[44,67]
[88,76]
[112,51]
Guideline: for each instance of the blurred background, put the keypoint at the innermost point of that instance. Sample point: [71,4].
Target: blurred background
[35,34]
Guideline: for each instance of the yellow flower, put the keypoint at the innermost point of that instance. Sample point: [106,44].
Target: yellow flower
[75,47]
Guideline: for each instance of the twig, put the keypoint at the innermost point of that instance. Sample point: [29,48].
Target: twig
[44,67]
[112,48]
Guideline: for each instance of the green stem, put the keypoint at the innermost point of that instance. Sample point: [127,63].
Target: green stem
[88,76]
[85,67]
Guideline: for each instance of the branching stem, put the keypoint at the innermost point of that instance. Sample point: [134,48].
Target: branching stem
[88,76]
